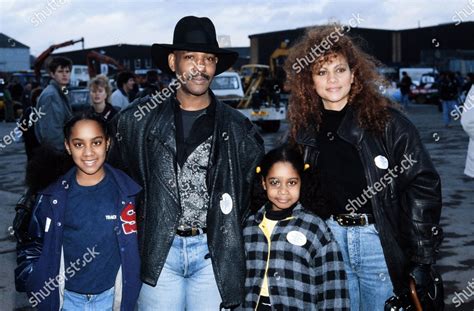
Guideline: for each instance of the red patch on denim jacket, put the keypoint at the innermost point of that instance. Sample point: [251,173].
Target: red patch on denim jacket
[129,219]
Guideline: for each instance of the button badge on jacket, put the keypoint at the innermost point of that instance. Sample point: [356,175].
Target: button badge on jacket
[226,203]
[381,162]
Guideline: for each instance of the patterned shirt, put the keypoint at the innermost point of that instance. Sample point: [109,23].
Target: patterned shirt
[193,187]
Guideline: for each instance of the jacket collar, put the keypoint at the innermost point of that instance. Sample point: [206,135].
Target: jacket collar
[125,183]
[164,127]
[60,89]
[349,130]
[210,110]
[56,85]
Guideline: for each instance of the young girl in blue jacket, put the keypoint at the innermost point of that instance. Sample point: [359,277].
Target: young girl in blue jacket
[84,251]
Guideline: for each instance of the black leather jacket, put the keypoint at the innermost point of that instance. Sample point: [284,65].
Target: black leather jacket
[146,149]
[407,210]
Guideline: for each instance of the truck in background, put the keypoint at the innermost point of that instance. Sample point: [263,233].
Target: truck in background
[416,73]
[424,89]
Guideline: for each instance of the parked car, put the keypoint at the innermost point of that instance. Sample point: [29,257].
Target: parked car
[227,87]
[427,90]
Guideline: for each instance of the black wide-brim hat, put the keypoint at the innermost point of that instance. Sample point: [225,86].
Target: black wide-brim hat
[195,34]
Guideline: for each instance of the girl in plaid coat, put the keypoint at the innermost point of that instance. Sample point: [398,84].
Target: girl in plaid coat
[293,261]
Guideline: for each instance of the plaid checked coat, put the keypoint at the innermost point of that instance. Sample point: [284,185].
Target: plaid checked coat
[306,277]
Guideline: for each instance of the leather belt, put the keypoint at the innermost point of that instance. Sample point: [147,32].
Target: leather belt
[191,232]
[349,220]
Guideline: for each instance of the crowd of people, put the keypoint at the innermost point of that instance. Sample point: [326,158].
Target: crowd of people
[452,89]
[183,210]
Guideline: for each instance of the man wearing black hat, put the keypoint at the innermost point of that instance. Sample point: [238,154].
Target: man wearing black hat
[195,158]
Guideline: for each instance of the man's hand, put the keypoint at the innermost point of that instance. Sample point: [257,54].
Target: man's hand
[421,274]
[429,286]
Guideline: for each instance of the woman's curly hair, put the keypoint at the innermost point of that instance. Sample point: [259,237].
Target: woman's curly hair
[305,107]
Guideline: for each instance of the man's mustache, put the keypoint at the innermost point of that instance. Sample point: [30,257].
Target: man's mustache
[199,74]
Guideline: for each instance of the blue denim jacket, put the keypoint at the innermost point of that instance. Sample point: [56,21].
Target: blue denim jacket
[57,110]
[41,264]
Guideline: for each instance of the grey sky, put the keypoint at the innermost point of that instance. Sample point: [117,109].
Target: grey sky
[40,23]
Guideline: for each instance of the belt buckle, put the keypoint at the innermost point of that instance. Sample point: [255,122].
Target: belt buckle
[196,231]
[364,220]
[340,221]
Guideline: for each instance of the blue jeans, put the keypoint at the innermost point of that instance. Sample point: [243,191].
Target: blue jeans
[448,106]
[186,281]
[367,273]
[405,101]
[101,302]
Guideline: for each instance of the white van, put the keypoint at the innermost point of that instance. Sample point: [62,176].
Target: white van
[79,76]
[227,87]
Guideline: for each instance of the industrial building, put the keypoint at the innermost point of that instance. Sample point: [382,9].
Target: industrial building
[445,46]
[14,55]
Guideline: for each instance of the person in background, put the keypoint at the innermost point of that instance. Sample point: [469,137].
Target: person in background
[449,95]
[121,96]
[26,96]
[405,84]
[151,84]
[54,103]
[8,102]
[459,80]
[35,93]
[16,89]
[467,86]
[99,88]
[467,122]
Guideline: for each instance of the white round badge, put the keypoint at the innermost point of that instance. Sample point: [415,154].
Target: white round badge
[296,238]
[381,162]
[226,203]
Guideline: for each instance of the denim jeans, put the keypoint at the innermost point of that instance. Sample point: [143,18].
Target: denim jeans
[448,106]
[186,281]
[80,302]
[364,262]
[405,101]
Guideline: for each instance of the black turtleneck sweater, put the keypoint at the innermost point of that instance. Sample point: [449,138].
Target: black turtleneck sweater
[342,174]
[278,215]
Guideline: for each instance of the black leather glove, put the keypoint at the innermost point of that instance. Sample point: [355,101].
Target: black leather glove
[421,274]
[429,286]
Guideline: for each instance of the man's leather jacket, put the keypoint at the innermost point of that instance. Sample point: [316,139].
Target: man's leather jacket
[145,147]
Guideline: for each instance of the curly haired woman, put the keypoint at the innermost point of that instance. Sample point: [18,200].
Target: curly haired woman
[382,192]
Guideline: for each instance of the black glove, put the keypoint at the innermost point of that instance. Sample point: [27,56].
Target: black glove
[429,286]
[421,274]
